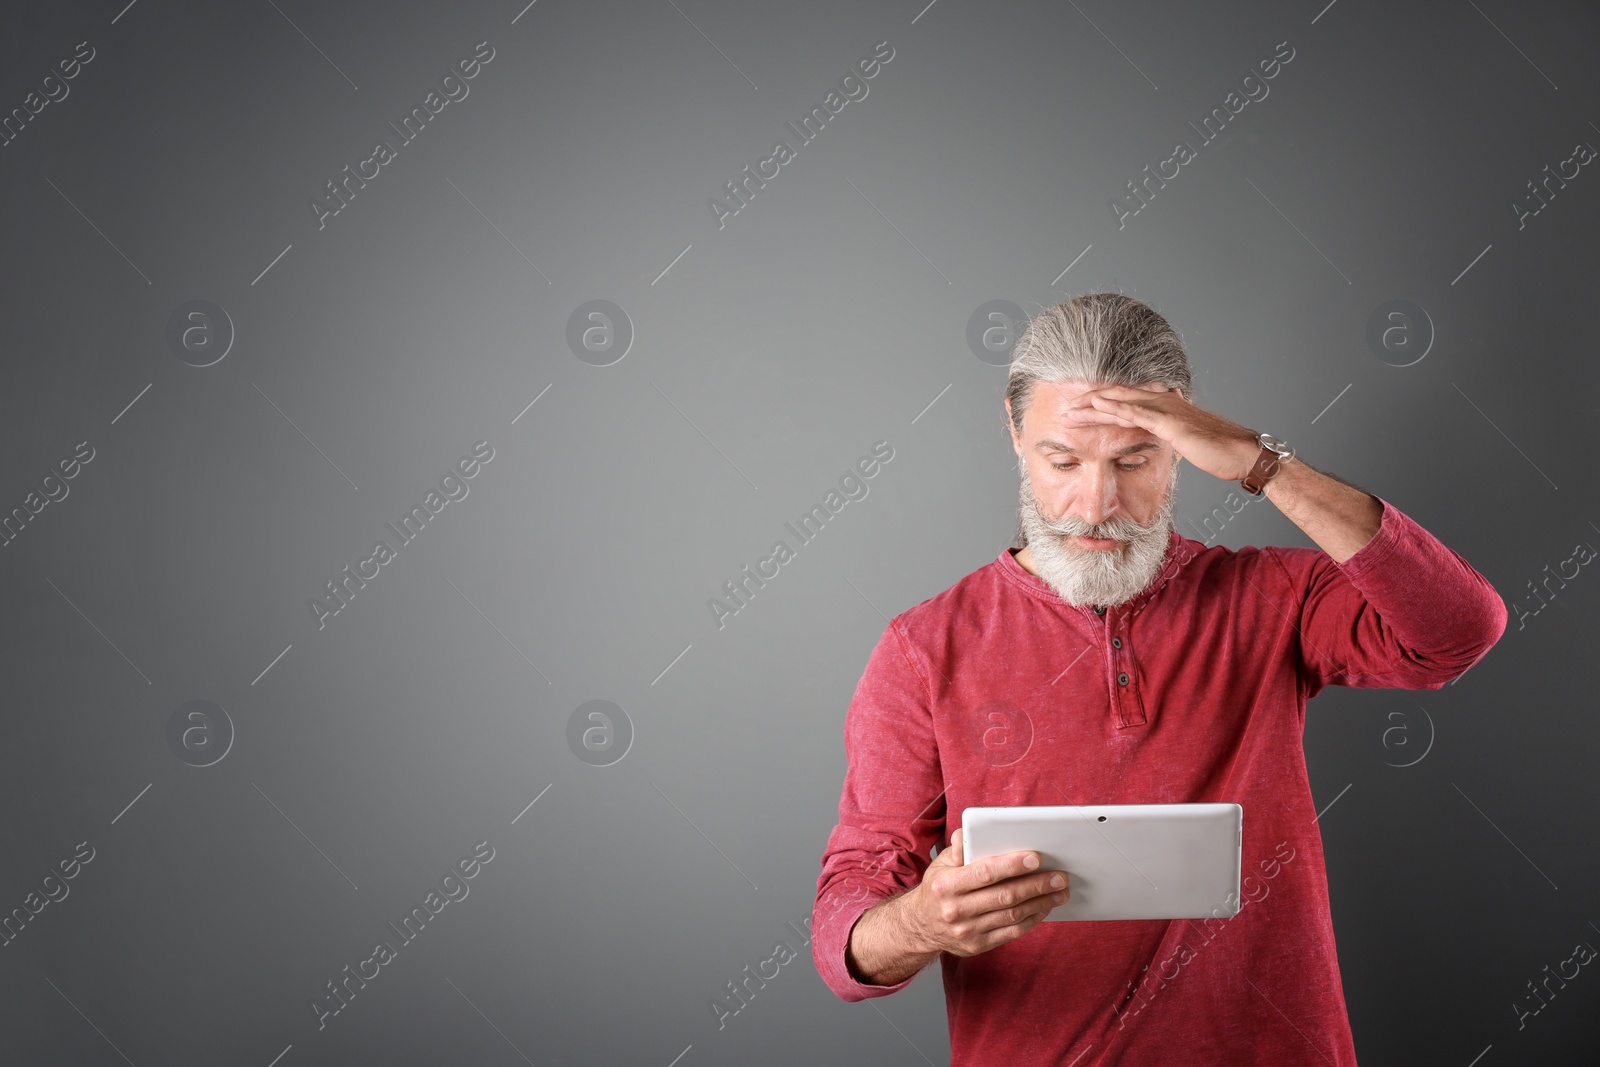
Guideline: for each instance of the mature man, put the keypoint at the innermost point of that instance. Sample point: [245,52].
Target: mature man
[1114,661]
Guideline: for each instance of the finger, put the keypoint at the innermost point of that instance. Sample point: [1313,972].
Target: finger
[1027,924]
[1001,924]
[1123,392]
[1114,392]
[955,848]
[1106,418]
[1015,893]
[995,869]
[1096,409]
[1120,412]
[1095,400]
[1085,414]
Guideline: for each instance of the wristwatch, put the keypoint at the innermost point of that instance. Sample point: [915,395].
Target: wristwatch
[1274,451]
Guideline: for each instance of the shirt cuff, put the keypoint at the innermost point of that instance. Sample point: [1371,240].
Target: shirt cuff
[833,947]
[1379,548]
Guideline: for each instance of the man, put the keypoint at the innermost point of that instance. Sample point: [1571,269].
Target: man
[1114,661]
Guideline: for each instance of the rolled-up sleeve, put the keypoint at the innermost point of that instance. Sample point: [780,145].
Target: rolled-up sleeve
[1404,612]
[891,809]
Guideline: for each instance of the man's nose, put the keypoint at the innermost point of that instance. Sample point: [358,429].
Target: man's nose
[1097,495]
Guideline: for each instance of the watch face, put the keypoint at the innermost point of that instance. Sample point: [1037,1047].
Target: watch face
[1277,444]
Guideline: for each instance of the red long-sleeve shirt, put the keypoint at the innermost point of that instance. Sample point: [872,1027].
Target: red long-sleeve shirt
[996,691]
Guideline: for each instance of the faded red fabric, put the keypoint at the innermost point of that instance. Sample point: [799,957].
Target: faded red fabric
[996,691]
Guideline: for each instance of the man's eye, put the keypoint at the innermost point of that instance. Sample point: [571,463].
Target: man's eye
[1124,466]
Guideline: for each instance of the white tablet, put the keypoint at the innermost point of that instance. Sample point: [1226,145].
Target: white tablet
[1123,861]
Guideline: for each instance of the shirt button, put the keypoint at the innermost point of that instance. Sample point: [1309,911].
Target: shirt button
[1122,679]
[1099,609]
[1116,642]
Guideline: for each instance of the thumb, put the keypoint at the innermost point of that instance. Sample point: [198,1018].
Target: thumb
[954,851]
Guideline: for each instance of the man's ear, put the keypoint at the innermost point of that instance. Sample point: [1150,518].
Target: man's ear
[1016,445]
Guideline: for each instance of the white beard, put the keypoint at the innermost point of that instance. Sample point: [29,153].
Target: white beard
[1097,576]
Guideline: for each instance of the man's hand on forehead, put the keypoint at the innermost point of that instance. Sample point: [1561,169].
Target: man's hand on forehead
[1081,412]
[1212,443]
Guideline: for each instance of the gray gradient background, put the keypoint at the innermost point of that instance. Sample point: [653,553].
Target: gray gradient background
[829,314]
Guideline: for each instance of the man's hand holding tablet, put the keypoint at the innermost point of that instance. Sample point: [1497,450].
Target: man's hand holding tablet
[956,908]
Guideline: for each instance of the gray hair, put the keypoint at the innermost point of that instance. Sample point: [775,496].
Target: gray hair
[1100,338]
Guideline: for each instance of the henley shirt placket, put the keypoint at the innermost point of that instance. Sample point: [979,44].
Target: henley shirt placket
[1123,674]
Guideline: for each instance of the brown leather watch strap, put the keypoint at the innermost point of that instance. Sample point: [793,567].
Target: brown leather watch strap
[1267,464]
